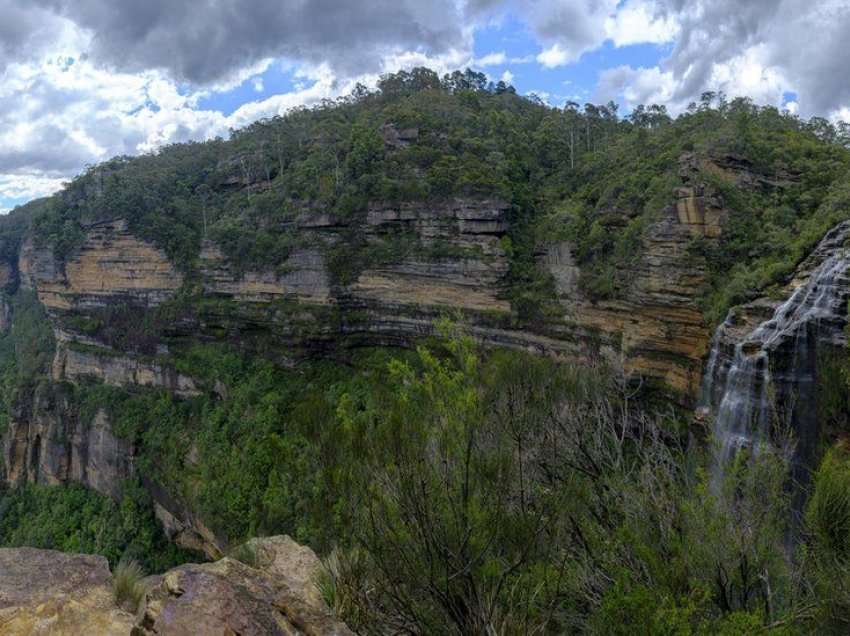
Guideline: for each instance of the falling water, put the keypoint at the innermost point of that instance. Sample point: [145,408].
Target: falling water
[740,389]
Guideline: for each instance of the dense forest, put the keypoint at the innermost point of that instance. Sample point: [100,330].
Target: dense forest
[453,489]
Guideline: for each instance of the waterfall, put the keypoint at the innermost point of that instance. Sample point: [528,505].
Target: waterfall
[746,389]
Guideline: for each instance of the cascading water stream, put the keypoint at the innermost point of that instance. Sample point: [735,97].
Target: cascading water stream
[740,389]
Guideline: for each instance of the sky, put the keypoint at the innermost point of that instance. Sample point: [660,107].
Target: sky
[84,80]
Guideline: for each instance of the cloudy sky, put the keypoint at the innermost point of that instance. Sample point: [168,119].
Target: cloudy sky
[83,80]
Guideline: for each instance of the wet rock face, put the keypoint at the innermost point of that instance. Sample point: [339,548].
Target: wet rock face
[46,592]
[764,365]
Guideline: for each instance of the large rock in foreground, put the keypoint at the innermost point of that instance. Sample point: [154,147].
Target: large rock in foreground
[274,596]
[49,592]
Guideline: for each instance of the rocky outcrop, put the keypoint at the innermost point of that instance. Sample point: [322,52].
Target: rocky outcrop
[74,362]
[414,262]
[656,328]
[48,592]
[409,264]
[43,592]
[111,265]
[181,525]
[454,261]
[303,278]
[274,595]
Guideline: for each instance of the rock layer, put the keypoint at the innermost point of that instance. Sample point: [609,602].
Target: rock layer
[382,279]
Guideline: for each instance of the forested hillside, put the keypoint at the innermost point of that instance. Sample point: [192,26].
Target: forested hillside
[453,339]
[582,173]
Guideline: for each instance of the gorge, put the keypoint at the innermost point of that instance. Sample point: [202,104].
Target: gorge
[479,372]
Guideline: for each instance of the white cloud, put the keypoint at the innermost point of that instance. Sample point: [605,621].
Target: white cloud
[838,115]
[61,109]
[56,117]
[750,74]
[570,28]
[27,186]
[555,56]
[760,46]
[636,86]
[640,22]
[491,59]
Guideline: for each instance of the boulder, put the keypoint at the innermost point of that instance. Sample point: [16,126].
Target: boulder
[49,592]
[275,595]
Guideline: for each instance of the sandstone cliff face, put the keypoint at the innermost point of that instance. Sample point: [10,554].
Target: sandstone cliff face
[112,264]
[657,327]
[454,262]
[468,277]
[305,279]
[73,364]
[48,592]
[47,443]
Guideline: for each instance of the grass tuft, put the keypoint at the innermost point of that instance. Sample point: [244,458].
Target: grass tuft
[127,584]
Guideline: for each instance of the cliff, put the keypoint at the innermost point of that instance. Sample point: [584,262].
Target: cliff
[447,258]
[119,308]
[769,367]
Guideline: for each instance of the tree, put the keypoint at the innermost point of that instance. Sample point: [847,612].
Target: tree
[451,520]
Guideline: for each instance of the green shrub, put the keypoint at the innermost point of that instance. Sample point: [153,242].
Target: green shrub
[828,510]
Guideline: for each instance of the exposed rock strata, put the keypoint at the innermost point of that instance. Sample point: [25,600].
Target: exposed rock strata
[111,264]
[456,262]
[304,278]
[73,363]
[417,262]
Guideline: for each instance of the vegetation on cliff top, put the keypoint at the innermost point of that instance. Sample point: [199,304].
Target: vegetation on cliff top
[582,174]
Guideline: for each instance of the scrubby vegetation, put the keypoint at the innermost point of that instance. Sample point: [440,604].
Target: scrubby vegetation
[463,491]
